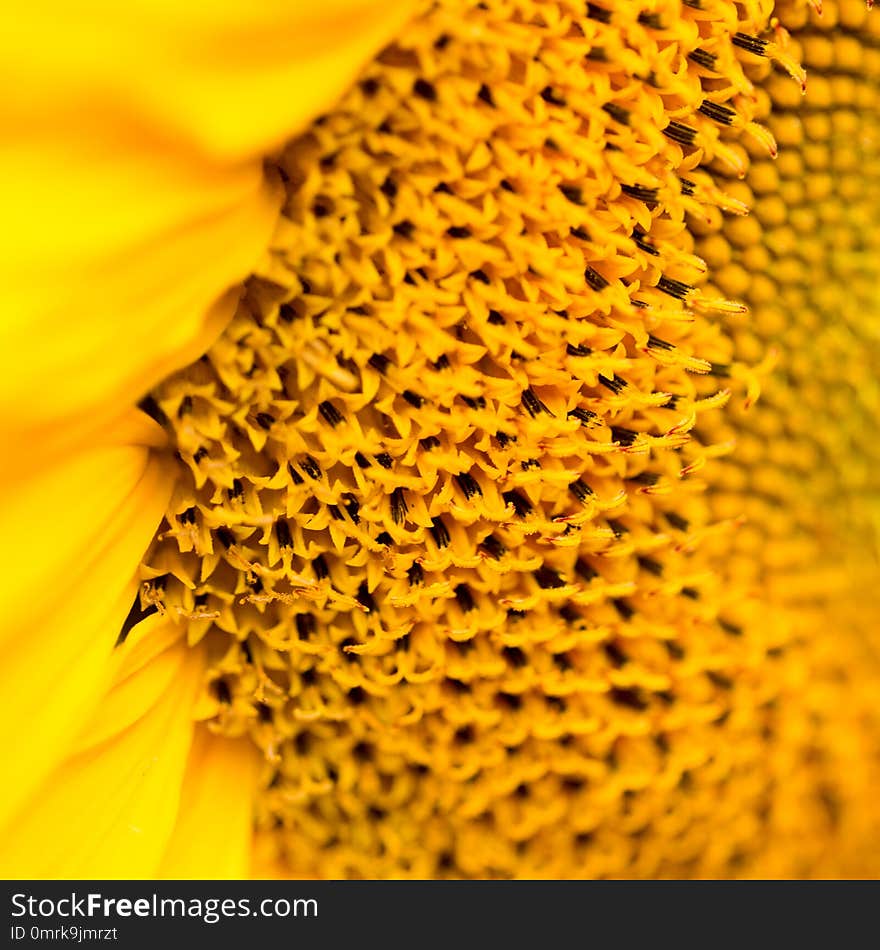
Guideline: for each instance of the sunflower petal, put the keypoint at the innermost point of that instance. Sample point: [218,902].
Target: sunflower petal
[124,788]
[212,837]
[134,192]
[73,536]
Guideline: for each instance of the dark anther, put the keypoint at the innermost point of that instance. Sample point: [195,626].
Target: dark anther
[404,229]
[750,43]
[719,679]
[675,288]
[506,185]
[658,344]
[464,597]
[650,565]
[677,522]
[186,407]
[319,566]
[464,734]
[618,527]
[623,436]
[717,112]
[690,592]
[200,453]
[495,318]
[688,187]
[651,20]
[514,614]
[616,385]
[581,490]
[641,241]
[335,513]
[425,90]
[549,96]
[485,95]
[510,700]
[439,532]
[370,87]
[441,363]
[352,506]
[595,279]
[415,575]
[681,133]
[384,459]
[584,570]
[364,598]
[504,439]
[548,578]
[529,464]
[295,476]
[734,629]
[703,58]
[515,656]
[332,416]
[632,698]
[573,193]
[311,468]
[306,625]
[362,460]
[480,275]
[521,506]
[562,662]
[356,695]
[584,416]
[458,232]
[614,653]
[350,641]
[282,533]
[493,547]
[618,113]
[414,399]
[469,485]
[429,442]
[237,490]
[399,508]
[379,362]
[532,404]
[225,537]
[719,369]
[383,537]
[309,677]
[479,402]
[598,13]
[640,193]
[649,479]
[569,613]
[362,751]
[625,609]
[389,188]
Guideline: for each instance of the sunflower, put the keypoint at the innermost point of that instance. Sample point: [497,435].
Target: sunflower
[515,517]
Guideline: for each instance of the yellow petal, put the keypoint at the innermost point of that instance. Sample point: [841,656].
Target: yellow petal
[212,838]
[133,187]
[73,536]
[108,811]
